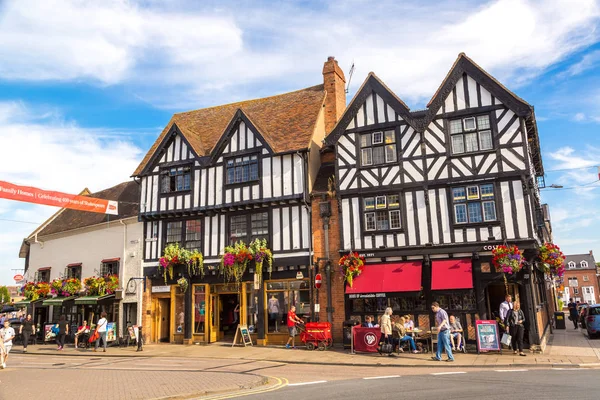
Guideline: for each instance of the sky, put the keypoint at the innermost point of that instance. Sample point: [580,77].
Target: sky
[87,86]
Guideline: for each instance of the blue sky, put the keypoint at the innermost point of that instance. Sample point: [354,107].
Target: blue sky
[86,86]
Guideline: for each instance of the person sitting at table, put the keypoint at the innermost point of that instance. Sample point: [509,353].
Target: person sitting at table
[455,332]
[403,337]
[408,323]
[368,322]
[84,328]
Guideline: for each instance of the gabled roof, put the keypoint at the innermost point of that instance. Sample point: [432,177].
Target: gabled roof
[127,194]
[286,122]
[371,84]
[578,258]
[465,64]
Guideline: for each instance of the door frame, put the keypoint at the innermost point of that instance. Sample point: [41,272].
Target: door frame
[214,332]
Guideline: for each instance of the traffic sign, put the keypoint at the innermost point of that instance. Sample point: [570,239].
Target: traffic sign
[318,281]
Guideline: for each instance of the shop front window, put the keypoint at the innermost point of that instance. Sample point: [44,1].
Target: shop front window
[281,295]
[458,301]
[251,307]
[179,322]
[199,308]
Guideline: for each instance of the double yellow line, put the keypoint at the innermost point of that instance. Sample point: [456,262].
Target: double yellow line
[279,383]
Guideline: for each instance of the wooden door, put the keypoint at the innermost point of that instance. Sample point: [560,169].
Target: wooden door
[214,318]
[164,314]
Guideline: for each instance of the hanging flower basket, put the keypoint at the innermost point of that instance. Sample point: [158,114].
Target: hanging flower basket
[508,258]
[352,266]
[33,291]
[183,284]
[195,264]
[234,261]
[65,287]
[101,285]
[261,253]
[553,260]
[175,255]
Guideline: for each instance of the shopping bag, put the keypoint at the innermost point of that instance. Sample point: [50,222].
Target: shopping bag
[506,339]
[94,337]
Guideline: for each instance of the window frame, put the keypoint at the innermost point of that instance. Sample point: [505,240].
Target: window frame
[248,220]
[183,236]
[460,198]
[72,268]
[233,158]
[383,144]
[584,264]
[464,132]
[372,215]
[164,172]
[113,264]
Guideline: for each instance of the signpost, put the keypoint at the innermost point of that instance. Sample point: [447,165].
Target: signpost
[18,278]
[244,336]
[487,336]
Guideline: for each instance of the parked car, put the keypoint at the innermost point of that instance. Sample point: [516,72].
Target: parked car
[592,321]
[582,312]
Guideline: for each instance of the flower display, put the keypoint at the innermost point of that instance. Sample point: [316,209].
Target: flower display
[508,258]
[65,287]
[183,284]
[552,258]
[33,291]
[176,255]
[234,261]
[261,253]
[101,285]
[352,266]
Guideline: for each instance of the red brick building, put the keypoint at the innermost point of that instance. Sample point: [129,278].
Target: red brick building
[580,280]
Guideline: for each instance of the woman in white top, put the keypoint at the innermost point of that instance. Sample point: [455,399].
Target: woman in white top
[386,325]
[101,329]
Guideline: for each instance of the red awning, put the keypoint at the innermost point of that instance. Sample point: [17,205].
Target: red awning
[452,274]
[384,278]
[107,260]
[74,265]
[44,269]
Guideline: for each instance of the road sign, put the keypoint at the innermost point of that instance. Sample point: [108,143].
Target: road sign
[318,281]
[18,277]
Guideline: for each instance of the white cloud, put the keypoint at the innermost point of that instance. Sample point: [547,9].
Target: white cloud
[207,55]
[579,117]
[587,62]
[43,150]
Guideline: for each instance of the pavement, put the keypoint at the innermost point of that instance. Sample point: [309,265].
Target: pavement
[566,348]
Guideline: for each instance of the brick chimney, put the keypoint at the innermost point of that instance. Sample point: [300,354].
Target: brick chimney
[335,85]
[591,253]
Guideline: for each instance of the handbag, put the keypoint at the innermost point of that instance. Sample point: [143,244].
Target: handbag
[386,348]
[94,337]
[506,339]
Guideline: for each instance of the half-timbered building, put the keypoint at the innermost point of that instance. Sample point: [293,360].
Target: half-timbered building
[230,173]
[426,195]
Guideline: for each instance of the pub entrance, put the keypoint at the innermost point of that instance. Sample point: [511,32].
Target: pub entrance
[163,322]
[496,293]
[225,316]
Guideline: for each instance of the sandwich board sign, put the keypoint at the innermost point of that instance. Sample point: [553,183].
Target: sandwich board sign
[245,338]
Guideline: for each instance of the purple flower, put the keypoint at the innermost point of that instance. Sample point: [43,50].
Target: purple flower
[228,260]
[163,262]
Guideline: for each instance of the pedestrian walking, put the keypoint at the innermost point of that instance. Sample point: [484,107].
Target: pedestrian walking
[101,329]
[443,327]
[26,330]
[292,319]
[515,320]
[573,313]
[7,334]
[385,326]
[63,330]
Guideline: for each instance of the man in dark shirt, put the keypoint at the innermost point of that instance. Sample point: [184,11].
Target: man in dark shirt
[27,329]
[573,313]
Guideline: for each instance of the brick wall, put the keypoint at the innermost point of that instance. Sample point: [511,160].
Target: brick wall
[335,86]
[579,275]
[146,310]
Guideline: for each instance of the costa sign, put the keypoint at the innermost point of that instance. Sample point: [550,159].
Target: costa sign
[30,194]
[18,278]
[318,281]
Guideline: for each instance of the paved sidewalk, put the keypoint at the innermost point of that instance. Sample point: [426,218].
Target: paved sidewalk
[567,348]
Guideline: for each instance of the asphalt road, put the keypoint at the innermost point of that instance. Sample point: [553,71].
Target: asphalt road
[513,384]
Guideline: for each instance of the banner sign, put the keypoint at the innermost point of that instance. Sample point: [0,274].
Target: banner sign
[57,199]
[487,335]
[366,339]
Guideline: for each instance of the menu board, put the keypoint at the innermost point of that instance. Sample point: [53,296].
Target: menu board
[111,331]
[242,330]
[487,336]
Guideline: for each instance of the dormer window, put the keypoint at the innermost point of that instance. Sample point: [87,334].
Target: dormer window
[242,169]
[571,264]
[584,264]
[470,135]
[176,179]
[378,148]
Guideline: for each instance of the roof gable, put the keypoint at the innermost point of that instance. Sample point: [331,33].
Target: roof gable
[465,72]
[286,122]
[160,155]
[374,100]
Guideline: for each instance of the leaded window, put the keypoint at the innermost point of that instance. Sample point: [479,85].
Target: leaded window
[248,227]
[176,179]
[378,148]
[472,134]
[382,213]
[242,169]
[474,204]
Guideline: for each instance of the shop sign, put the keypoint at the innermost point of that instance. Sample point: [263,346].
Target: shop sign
[18,278]
[367,255]
[161,289]
[111,331]
[367,295]
[487,336]
[489,247]
[299,275]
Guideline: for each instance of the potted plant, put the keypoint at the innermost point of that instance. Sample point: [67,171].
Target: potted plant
[552,259]
[196,264]
[261,253]
[234,261]
[56,287]
[508,258]
[352,265]
[71,287]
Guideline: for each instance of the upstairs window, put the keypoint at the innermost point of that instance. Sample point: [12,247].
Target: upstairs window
[382,213]
[472,134]
[573,282]
[73,271]
[42,275]
[474,204]
[109,268]
[583,264]
[378,148]
[248,227]
[571,264]
[242,169]
[187,233]
[176,179]
[586,278]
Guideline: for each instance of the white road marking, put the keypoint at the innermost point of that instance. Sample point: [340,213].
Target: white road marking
[305,383]
[512,370]
[567,369]
[383,377]
[448,373]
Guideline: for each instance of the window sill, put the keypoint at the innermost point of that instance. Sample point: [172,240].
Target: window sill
[390,164]
[476,225]
[242,184]
[383,232]
[473,153]
[171,194]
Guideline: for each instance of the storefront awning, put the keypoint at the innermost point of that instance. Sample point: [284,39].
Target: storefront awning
[87,300]
[452,274]
[57,301]
[388,278]
[24,302]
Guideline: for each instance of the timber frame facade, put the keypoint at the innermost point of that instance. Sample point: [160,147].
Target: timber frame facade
[442,187]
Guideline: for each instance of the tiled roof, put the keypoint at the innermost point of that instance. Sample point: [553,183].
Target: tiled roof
[127,194]
[578,258]
[286,122]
